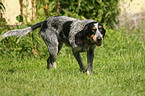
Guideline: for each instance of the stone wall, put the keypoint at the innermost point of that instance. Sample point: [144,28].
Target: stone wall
[14,8]
[132,14]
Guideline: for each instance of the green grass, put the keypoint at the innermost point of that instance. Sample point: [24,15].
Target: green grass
[118,70]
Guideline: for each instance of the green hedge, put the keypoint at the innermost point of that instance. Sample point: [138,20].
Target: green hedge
[104,11]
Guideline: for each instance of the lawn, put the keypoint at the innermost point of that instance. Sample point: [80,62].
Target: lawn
[118,70]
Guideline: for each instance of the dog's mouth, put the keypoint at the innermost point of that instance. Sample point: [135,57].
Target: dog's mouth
[98,43]
[97,40]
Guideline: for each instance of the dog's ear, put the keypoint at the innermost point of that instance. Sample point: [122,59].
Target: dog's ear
[88,29]
[79,38]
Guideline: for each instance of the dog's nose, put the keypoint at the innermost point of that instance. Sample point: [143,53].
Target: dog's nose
[99,39]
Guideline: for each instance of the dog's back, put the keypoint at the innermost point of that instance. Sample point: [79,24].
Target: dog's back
[58,21]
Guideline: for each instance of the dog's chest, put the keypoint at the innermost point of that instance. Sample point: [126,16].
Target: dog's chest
[86,47]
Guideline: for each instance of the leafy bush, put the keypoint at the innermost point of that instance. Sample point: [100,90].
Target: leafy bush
[104,11]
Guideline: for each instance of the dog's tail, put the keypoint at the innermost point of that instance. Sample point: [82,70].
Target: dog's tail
[21,32]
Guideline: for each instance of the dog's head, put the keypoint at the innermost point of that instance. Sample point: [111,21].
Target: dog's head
[95,33]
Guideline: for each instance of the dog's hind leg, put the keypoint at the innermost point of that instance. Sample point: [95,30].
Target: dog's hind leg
[76,54]
[51,62]
[51,40]
[53,51]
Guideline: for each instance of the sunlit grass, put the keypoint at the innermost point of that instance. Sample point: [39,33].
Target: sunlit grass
[118,70]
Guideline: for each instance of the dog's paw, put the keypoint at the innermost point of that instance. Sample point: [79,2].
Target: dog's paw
[54,65]
[88,72]
[51,65]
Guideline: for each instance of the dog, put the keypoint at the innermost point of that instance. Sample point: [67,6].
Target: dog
[80,35]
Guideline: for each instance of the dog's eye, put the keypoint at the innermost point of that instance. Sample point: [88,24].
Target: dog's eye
[100,26]
[94,28]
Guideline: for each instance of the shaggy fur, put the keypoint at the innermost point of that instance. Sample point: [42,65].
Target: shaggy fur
[80,35]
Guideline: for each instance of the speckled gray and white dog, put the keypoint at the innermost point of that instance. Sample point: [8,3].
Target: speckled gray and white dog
[80,35]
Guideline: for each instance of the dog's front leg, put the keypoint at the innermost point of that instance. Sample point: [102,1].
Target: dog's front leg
[90,57]
[76,54]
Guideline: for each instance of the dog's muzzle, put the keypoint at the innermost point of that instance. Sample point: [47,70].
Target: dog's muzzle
[97,40]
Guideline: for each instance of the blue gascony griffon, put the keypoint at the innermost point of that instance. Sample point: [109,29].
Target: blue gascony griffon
[80,35]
